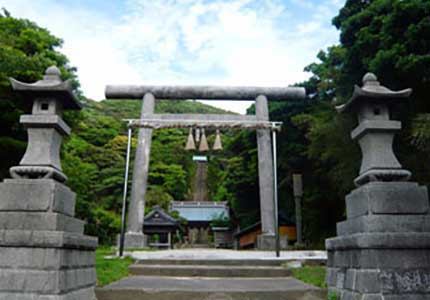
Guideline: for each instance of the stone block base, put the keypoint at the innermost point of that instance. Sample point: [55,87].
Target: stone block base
[387,198]
[133,240]
[44,254]
[36,195]
[379,266]
[82,294]
[383,248]
[268,242]
[51,273]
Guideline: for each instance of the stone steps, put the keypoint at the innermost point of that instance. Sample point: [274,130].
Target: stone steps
[229,262]
[195,288]
[186,278]
[209,271]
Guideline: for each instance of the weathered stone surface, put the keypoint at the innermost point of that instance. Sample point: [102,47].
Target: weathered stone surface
[265,169]
[46,195]
[168,288]
[387,198]
[46,282]
[200,117]
[218,271]
[350,295]
[40,221]
[204,92]
[45,258]
[412,240]
[381,283]
[363,281]
[331,276]
[378,148]
[43,148]
[378,258]
[405,281]
[140,173]
[407,297]
[46,239]
[41,120]
[81,294]
[268,242]
[384,223]
[375,126]
[133,240]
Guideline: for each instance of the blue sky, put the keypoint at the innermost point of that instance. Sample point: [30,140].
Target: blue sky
[228,42]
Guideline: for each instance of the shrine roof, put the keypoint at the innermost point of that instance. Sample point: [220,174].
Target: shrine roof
[200,211]
[158,217]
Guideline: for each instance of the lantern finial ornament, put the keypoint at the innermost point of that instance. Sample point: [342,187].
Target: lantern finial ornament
[217,144]
[203,142]
[190,141]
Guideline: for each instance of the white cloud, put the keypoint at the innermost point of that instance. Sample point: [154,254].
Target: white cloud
[231,42]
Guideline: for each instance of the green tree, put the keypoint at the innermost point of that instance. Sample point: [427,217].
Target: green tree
[387,38]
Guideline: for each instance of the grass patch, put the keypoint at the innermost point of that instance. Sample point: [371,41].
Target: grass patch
[312,275]
[110,270]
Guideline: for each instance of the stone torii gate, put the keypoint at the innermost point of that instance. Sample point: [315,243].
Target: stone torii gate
[134,236]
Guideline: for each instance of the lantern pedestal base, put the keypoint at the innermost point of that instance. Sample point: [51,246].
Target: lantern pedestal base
[43,251]
[382,251]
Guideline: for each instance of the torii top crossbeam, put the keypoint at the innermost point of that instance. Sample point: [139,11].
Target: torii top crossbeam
[204,92]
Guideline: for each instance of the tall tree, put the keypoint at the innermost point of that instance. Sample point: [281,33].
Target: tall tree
[390,38]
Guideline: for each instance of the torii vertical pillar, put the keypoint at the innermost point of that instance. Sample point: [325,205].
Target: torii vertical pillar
[134,237]
[265,176]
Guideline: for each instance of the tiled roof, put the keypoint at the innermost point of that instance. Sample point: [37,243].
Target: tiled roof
[200,211]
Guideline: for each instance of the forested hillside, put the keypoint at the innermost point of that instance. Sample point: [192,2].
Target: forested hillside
[94,160]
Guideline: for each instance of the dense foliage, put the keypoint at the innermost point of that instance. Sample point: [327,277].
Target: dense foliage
[94,160]
[386,37]
[389,38]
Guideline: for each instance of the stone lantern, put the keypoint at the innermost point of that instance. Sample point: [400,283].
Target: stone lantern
[375,130]
[43,251]
[45,126]
[382,250]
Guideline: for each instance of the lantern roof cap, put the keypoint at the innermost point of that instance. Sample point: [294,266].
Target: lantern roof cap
[50,86]
[372,91]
